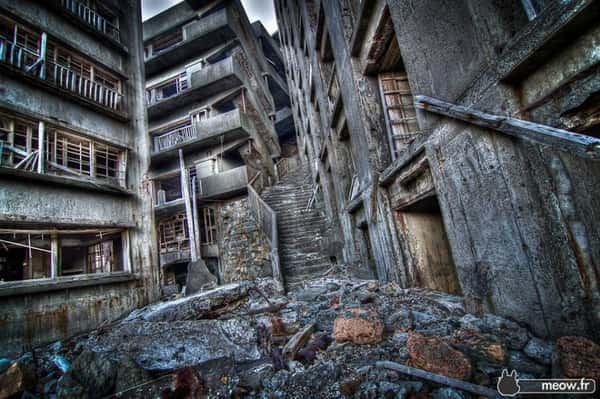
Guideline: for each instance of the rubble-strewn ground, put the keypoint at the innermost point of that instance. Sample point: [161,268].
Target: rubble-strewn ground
[323,341]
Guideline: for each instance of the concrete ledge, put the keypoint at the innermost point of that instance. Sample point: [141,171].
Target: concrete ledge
[11,173]
[61,283]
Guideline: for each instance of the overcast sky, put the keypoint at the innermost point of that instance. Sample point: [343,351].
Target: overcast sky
[256,9]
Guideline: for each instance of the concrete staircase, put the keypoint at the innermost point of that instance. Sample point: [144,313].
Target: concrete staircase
[301,231]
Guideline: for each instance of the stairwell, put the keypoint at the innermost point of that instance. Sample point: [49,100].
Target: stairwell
[301,230]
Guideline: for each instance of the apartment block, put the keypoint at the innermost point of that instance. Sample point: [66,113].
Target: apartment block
[75,200]
[217,107]
[454,145]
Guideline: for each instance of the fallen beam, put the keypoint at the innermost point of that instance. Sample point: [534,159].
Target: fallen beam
[297,342]
[440,379]
[575,143]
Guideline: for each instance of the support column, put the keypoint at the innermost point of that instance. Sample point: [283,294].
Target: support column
[41,166]
[185,189]
[54,256]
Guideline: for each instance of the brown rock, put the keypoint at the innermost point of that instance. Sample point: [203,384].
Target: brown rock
[358,326]
[349,386]
[433,354]
[479,346]
[579,357]
[278,328]
[16,380]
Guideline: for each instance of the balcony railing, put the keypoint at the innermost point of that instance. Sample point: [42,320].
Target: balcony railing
[175,137]
[92,18]
[33,63]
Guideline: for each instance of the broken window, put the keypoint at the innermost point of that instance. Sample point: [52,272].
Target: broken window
[71,154]
[24,256]
[29,255]
[173,234]
[399,108]
[166,41]
[167,89]
[208,226]
[91,253]
[171,186]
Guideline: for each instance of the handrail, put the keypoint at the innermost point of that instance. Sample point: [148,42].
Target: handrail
[266,218]
[92,18]
[284,165]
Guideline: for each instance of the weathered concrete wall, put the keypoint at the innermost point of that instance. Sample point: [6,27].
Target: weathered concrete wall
[513,211]
[34,319]
[515,224]
[31,319]
[244,248]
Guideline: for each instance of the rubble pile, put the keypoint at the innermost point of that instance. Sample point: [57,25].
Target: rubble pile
[331,338]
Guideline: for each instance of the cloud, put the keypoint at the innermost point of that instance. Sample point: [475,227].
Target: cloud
[257,10]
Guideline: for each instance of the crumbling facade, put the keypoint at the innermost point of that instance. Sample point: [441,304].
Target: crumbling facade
[217,105]
[75,203]
[434,132]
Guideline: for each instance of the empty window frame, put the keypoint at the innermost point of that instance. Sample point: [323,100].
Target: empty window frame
[168,88]
[171,186]
[91,253]
[68,153]
[166,41]
[19,137]
[24,256]
[173,234]
[208,226]
[28,256]
[399,109]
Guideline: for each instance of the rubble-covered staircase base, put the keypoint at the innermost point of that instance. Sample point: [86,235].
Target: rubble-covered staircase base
[301,230]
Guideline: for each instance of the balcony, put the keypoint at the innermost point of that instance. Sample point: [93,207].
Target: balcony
[202,83]
[92,19]
[230,125]
[197,37]
[222,185]
[31,64]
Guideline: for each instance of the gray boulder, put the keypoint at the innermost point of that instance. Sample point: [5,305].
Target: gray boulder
[199,278]
[169,345]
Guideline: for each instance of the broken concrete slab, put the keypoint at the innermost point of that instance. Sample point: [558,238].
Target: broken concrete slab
[192,307]
[169,345]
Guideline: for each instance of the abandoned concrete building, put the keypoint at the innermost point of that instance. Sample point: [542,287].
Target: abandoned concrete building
[75,244]
[216,94]
[404,112]
[446,145]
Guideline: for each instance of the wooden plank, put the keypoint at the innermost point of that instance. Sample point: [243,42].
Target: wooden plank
[440,379]
[297,342]
[577,144]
